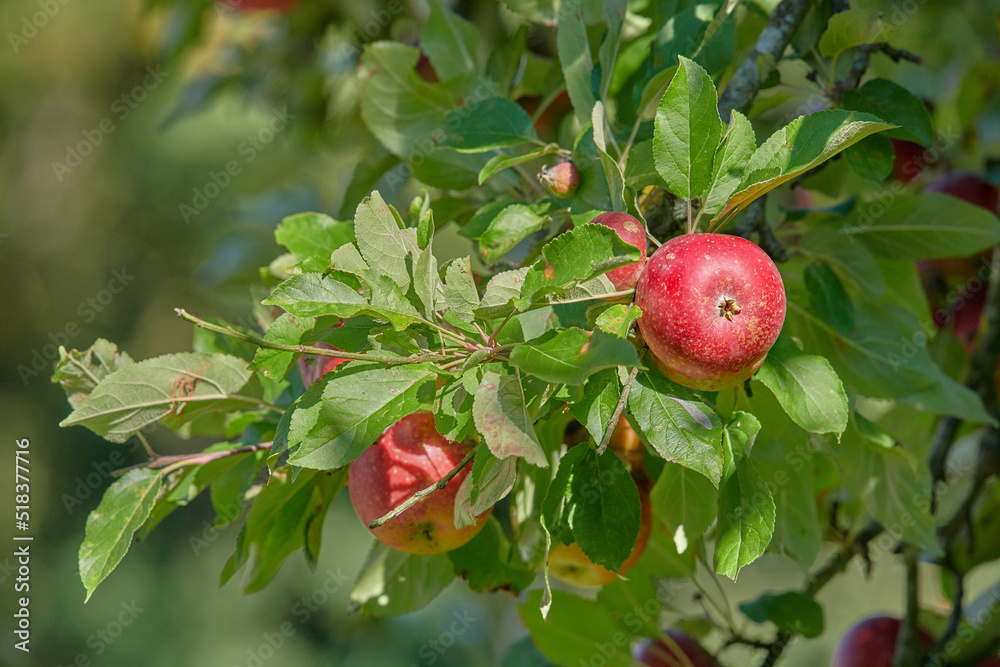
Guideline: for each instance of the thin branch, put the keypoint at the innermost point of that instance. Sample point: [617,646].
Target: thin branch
[385,359]
[171,463]
[936,651]
[420,495]
[618,411]
[908,648]
[145,443]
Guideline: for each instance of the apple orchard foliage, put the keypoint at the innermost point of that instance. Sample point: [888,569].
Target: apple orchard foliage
[506,349]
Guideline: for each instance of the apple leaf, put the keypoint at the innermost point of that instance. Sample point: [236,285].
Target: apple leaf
[872,157]
[501,291]
[392,582]
[828,298]
[614,14]
[806,386]
[618,319]
[495,122]
[731,158]
[854,27]
[576,630]
[123,509]
[453,413]
[524,653]
[511,225]
[450,42]
[381,241]
[686,131]
[574,56]
[499,162]
[343,413]
[853,262]
[675,423]
[798,147]
[685,501]
[460,293]
[313,235]
[893,104]
[79,372]
[947,396]
[793,612]
[501,416]
[612,172]
[491,480]
[571,355]
[287,330]
[600,397]
[929,225]
[178,387]
[397,105]
[488,562]
[746,508]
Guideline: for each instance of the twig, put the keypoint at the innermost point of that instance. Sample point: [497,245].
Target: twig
[908,648]
[385,359]
[936,652]
[145,443]
[764,57]
[423,493]
[616,415]
[170,463]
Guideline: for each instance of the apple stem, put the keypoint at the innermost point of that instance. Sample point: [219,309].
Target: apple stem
[423,493]
[618,410]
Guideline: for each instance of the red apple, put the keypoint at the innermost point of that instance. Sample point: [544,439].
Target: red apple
[662,652]
[990,662]
[908,160]
[871,643]
[252,5]
[631,231]
[968,187]
[313,366]
[712,306]
[562,179]
[568,563]
[410,456]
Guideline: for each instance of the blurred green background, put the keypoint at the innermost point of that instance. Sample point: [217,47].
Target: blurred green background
[97,245]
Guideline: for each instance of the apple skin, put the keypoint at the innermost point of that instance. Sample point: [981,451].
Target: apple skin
[871,643]
[712,306]
[969,187]
[908,160]
[255,5]
[659,653]
[568,563]
[630,230]
[408,457]
[313,366]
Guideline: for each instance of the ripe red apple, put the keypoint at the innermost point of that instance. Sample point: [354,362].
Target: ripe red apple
[871,643]
[631,231]
[568,563]
[408,457]
[252,5]
[662,652]
[313,366]
[908,160]
[712,306]
[968,187]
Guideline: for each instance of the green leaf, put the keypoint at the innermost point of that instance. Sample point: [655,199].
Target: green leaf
[460,293]
[450,42]
[746,508]
[511,225]
[576,630]
[500,293]
[571,355]
[854,27]
[381,242]
[827,297]
[949,397]
[600,398]
[685,501]
[798,147]
[893,104]
[502,161]
[618,319]
[286,330]
[501,416]
[806,386]
[872,157]
[492,479]
[675,423]
[397,105]
[392,582]
[341,414]
[447,168]
[176,386]
[574,56]
[313,235]
[490,563]
[686,131]
[123,509]
[731,158]
[426,283]
[79,372]
[612,172]
[793,612]
[524,653]
[929,225]
[614,12]
[853,262]
[495,122]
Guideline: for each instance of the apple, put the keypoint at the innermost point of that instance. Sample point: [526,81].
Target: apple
[968,187]
[712,306]
[313,366]
[252,5]
[408,457]
[630,230]
[562,179]
[871,643]
[626,443]
[568,563]
[908,160]
[662,652]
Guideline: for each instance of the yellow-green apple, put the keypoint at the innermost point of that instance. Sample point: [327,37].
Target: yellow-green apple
[631,231]
[410,456]
[663,652]
[712,306]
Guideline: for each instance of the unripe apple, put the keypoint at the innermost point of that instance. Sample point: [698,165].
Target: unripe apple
[408,457]
[631,231]
[712,306]
[568,563]
[871,643]
[662,652]
[313,366]
[562,179]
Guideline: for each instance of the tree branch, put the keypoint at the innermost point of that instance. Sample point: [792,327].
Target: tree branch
[616,415]
[763,58]
[908,648]
[423,493]
[170,463]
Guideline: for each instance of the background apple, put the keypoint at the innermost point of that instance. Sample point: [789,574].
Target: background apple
[712,306]
[908,160]
[410,456]
[562,179]
[662,653]
[969,187]
[630,230]
[313,366]
[871,643]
